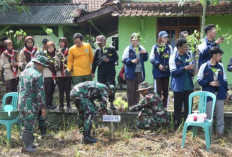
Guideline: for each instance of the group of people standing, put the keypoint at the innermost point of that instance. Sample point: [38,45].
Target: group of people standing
[179,65]
[36,72]
[40,70]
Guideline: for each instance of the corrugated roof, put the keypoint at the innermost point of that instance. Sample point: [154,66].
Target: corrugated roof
[92,4]
[170,9]
[40,14]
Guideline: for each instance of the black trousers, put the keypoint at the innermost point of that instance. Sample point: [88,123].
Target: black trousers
[11,86]
[180,98]
[49,88]
[104,77]
[64,85]
[162,85]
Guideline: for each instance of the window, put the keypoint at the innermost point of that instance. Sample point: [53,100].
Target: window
[175,25]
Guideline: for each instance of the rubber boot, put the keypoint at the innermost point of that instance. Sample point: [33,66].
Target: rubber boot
[43,131]
[27,139]
[87,139]
[89,134]
[34,145]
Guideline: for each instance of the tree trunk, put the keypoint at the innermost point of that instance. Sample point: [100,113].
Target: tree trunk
[203,18]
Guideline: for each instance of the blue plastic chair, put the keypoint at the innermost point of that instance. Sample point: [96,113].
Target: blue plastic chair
[202,109]
[14,103]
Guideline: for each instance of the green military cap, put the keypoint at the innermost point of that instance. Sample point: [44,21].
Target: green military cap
[143,86]
[41,60]
[39,52]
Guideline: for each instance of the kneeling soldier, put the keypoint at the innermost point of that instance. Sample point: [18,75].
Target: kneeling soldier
[84,94]
[152,113]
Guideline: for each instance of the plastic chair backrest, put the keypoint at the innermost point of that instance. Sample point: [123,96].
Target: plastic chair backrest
[14,101]
[202,106]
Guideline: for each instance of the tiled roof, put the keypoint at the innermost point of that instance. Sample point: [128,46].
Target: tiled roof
[92,4]
[40,14]
[170,9]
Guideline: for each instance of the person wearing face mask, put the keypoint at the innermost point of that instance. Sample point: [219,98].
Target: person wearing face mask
[27,53]
[159,58]
[105,58]
[63,81]
[134,57]
[9,63]
[208,43]
[49,74]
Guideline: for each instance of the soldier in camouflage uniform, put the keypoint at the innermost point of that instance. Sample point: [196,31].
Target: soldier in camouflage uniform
[32,101]
[152,114]
[84,94]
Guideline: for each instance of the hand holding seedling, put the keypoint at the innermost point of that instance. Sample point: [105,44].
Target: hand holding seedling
[219,40]
[142,51]
[135,61]
[214,84]
[161,67]
[189,67]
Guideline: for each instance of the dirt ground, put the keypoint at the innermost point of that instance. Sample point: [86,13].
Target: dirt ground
[125,143]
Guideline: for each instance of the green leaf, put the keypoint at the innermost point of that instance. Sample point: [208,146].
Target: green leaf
[11,31]
[49,31]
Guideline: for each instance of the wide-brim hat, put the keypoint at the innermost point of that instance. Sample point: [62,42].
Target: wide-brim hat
[144,86]
[40,60]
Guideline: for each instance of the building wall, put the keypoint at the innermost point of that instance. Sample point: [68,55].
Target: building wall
[147,29]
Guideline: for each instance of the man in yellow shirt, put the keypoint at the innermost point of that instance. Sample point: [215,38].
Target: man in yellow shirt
[80,59]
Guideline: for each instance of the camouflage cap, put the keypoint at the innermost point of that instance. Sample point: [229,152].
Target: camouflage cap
[39,53]
[143,86]
[41,60]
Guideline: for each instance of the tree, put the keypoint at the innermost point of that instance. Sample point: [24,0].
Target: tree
[12,4]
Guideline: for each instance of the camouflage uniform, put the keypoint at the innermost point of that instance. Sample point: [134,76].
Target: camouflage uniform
[84,94]
[31,98]
[153,113]
[38,53]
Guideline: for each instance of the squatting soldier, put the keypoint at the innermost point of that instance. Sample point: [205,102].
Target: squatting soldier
[84,95]
[105,58]
[152,113]
[32,101]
